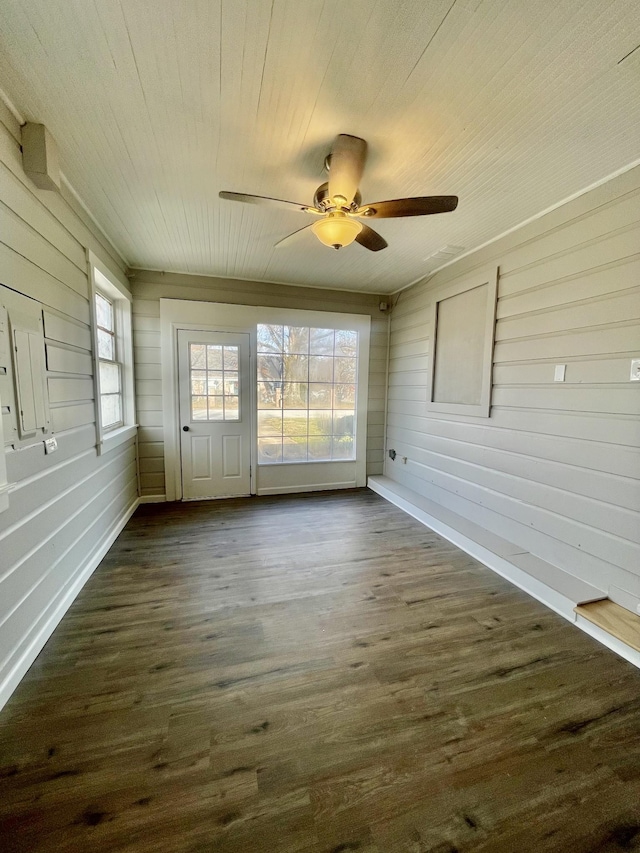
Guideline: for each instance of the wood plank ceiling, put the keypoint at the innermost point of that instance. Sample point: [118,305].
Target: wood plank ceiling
[157,105]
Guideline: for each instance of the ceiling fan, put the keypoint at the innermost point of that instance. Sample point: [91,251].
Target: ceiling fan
[338,204]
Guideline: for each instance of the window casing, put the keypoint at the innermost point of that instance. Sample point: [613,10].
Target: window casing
[113,357]
[307,394]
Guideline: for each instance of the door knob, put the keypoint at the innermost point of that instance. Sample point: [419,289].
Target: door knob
[185,429]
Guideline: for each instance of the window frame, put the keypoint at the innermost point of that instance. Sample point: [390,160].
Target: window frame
[105,282]
[308,383]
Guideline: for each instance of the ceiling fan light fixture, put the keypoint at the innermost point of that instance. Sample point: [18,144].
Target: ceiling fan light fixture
[336,230]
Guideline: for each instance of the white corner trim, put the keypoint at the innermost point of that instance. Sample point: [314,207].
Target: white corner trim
[10,680]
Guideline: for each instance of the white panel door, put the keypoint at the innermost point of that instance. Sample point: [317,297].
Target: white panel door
[215,414]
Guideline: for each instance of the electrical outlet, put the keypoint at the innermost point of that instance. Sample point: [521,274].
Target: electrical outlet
[635,370]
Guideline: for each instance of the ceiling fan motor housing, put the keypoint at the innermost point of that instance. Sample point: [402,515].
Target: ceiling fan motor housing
[323,201]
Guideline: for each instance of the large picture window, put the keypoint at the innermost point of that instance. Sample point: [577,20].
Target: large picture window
[307,391]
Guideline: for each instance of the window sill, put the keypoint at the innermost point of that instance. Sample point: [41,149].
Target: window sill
[303,462]
[116,437]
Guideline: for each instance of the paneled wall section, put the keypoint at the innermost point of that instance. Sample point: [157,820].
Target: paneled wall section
[63,508]
[149,287]
[556,468]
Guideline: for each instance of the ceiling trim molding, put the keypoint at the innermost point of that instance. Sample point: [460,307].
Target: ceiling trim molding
[423,279]
[131,272]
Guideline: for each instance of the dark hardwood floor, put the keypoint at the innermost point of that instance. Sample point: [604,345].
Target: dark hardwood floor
[319,674]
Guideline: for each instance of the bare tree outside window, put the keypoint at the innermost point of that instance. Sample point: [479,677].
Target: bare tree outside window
[306,394]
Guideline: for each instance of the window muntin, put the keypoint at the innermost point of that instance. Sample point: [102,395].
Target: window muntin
[307,386]
[214,382]
[108,365]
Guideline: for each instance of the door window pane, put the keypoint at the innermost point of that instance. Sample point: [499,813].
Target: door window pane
[231,409]
[198,356]
[214,357]
[198,408]
[216,408]
[231,358]
[215,382]
[198,381]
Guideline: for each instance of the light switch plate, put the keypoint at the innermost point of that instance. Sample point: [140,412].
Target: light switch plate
[50,445]
[559,372]
[635,370]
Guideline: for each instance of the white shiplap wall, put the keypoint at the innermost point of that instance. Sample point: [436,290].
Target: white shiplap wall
[149,287]
[65,509]
[556,468]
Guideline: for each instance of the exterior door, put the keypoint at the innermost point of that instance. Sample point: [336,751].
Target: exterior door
[215,414]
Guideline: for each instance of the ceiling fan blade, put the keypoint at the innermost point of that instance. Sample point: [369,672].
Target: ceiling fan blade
[370,239]
[264,200]
[290,238]
[419,206]
[346,164]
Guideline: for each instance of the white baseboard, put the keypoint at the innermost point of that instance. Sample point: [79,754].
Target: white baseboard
[499,564]
[314,487]
[152,499]
[539,590]
[10,680]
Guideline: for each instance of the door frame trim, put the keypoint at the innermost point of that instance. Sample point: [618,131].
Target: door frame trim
[178,315]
